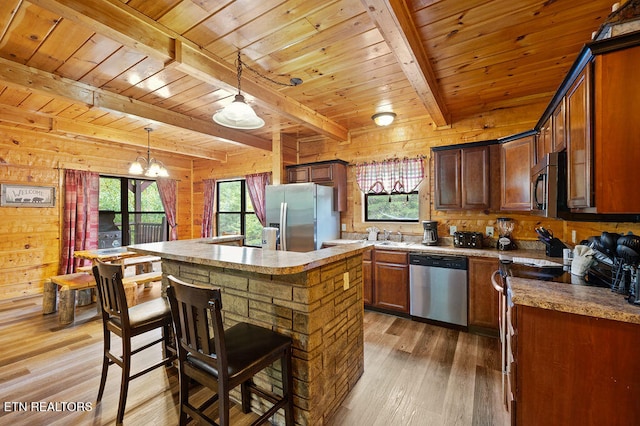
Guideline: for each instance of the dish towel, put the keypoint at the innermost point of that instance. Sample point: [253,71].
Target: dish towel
[582,260]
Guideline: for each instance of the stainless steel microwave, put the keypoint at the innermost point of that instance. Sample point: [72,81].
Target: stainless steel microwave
[548,185]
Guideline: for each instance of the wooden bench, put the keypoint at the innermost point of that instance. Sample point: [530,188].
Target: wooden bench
[65,287]
[143,264]
[131,284]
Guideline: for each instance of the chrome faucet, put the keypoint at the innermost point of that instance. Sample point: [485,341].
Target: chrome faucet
[386,234]
[400,236]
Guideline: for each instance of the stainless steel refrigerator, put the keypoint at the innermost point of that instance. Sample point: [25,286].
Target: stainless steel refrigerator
[304,214]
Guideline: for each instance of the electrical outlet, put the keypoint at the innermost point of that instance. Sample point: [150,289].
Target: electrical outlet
[452,230]
[573,236]
[344,226]
[489,231]
[345,281]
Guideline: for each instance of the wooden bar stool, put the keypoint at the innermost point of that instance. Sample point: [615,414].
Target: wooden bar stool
[127,322]
[223,359]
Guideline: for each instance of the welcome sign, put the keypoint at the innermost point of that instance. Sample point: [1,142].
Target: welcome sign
[27,196]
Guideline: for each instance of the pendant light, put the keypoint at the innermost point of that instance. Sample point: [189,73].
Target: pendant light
[238,114]
[150,167]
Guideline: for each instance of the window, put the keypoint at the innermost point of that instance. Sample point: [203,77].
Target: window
[391,208]
[133,206]
[235,212]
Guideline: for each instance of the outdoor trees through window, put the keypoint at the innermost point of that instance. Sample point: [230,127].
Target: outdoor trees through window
[235,212]
[391,208]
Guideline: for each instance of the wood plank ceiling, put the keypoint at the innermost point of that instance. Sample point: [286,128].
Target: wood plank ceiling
[105,69]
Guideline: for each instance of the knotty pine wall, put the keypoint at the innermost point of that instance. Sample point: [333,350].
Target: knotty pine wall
[29,236]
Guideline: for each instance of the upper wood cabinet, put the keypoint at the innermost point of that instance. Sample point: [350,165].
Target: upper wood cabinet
[462,178]
[515,165]
[617,131]
[579,145]
[558,128]
[543,142]
[332,173]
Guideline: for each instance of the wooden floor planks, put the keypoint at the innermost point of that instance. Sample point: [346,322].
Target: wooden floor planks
[415,374]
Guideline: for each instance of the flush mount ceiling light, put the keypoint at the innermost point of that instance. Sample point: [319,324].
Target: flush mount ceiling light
[238,114]
[383,118]
[150,167]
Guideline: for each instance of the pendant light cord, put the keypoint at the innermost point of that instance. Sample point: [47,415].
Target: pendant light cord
[294,81]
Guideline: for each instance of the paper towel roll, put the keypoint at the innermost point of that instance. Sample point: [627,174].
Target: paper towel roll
[269,237]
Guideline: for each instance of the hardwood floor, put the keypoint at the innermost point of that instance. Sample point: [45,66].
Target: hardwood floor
[415,374]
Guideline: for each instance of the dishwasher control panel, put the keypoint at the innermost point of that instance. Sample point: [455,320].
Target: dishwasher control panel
[438,261]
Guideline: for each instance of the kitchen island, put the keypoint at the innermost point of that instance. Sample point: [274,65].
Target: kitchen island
[314,297]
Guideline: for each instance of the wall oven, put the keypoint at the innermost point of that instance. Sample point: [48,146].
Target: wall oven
[548,185]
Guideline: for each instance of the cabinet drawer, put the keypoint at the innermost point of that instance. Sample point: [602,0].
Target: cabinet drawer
[367,255]
[391,257]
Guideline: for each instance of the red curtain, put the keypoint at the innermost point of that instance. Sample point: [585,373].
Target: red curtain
[256,184]
[80,220]
[168,189]
[209,202]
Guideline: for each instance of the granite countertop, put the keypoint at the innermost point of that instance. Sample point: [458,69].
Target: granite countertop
[445,249]
[205,251]
[574,299]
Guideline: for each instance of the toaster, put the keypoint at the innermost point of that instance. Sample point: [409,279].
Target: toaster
[467,239]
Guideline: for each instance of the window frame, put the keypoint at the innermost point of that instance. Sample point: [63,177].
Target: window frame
[365,205]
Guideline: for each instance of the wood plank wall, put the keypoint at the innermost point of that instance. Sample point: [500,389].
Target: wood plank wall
[30,237]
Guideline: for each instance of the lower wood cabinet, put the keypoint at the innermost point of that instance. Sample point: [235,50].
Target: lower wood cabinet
[367,277]
[574,369]
[391,281]
[385,277]
[483,299]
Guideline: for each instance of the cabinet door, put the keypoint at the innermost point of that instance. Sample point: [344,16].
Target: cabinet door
[616,130]
[515,183]
[543,142]
[579,142]
[391,281]
[475,178]
[367,278]
[298,174]
[558,136]
[321,173]
[483,298]
[448,193]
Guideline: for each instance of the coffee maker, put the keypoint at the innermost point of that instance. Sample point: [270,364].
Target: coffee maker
[430,237]
[505,228]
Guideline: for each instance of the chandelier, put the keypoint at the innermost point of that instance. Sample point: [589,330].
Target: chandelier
[150,167]
[238,114]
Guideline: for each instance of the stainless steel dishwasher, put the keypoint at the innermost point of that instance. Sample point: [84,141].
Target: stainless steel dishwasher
[438,287]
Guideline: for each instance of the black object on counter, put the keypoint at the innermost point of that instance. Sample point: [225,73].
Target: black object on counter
[554,248]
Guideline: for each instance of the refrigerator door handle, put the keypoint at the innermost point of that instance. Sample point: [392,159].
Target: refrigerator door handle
[283,226]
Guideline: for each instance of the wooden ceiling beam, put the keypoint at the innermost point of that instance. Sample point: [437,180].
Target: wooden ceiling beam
[119,22]
[393,19]
[74,128]
[38,81]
